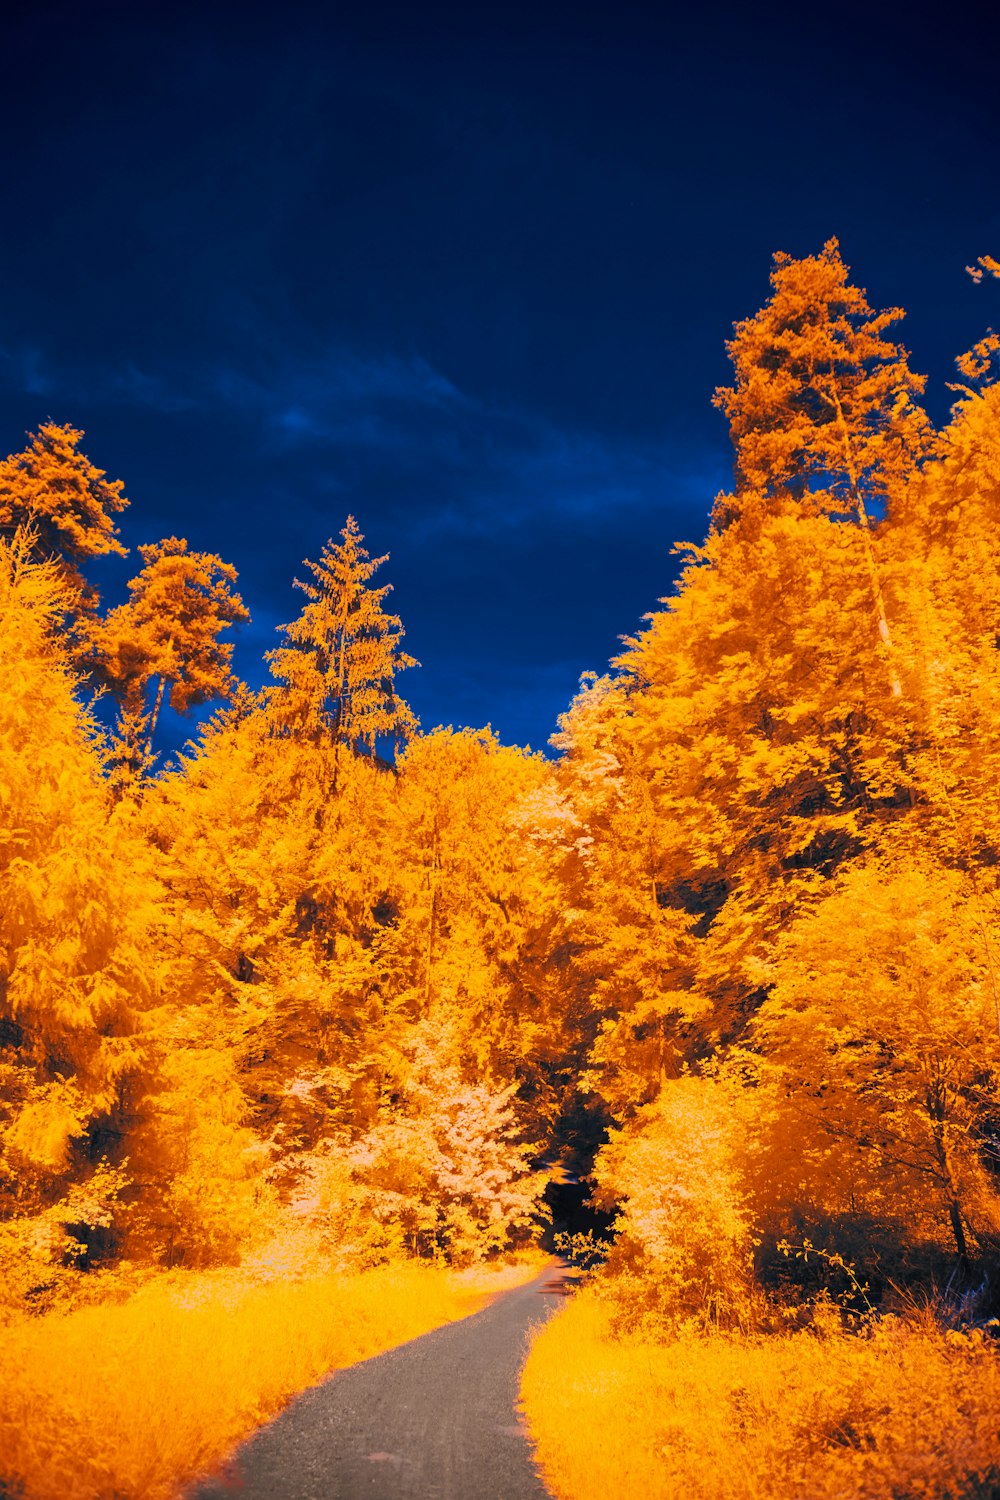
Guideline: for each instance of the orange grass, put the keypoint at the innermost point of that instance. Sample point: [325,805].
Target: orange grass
[132,1400]
[908,1410]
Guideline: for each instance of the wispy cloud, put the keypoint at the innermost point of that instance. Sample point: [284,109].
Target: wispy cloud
[330,395]
[490,467]
[29,371]
[128,385]
[338,395]
[532,470]
[23,369]
[478,468]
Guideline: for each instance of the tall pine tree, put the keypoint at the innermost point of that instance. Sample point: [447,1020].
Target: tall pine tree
[67,504]
[338,669]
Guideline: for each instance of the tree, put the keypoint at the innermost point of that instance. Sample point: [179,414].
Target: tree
[881,1020]
[76,972]
[673,1176]
[169,632]
[745,751]
[821,393]
[447,1164]
[478,835]
[68,504]
[339,667]
[632,938]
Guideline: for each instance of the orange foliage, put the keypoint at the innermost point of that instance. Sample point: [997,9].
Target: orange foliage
[169,629]
[736,953]
[76,906]
[339,666]
[54,490]
[821,393]
[785,898]
[902,1409]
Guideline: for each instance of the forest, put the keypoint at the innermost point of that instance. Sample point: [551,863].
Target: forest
[328,1024]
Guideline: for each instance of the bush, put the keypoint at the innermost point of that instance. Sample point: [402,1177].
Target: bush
[903,1408]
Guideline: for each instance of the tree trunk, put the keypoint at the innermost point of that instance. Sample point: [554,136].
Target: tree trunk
[936,1108]
[154,716]
[875,582]
[958,1230]
[432,921]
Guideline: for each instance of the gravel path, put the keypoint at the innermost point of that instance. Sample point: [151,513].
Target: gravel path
[434,1419]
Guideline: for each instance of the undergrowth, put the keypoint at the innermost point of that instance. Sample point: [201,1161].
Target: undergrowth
[898,1406]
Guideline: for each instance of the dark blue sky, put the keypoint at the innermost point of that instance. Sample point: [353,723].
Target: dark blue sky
[465,272]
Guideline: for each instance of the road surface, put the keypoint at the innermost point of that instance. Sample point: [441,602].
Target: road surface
[434,1419]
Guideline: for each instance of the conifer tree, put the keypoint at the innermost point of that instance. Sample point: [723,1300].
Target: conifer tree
[822,394]
[68,503]
[338,668]
[168,633]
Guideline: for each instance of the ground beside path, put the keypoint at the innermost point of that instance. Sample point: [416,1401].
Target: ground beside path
[434,1419]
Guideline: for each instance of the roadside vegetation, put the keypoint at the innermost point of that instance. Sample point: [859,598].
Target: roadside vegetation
[897,1407]
[189,1365]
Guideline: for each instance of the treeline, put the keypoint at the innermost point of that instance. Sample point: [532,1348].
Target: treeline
[296,995]
[789,916]
[789,784]
[285,998]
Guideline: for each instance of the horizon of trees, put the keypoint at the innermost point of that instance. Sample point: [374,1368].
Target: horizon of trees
[734,955]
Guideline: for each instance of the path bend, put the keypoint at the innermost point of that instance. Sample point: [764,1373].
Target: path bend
[434,1419]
